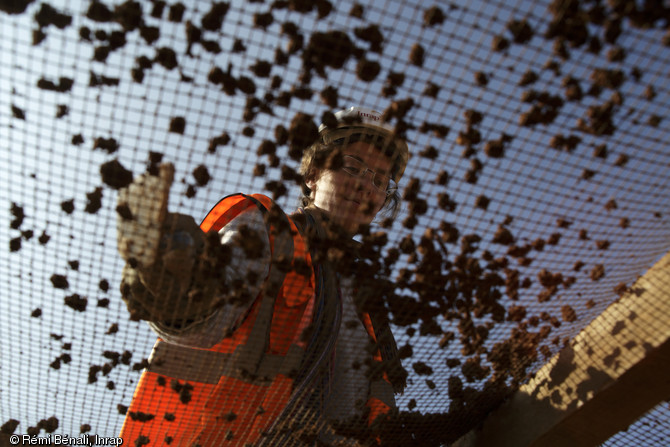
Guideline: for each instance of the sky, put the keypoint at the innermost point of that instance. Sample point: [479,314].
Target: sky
[533,183]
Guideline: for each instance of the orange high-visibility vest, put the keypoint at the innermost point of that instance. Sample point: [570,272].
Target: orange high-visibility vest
[234,391]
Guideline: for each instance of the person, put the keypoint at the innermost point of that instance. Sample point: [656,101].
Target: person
[266,333]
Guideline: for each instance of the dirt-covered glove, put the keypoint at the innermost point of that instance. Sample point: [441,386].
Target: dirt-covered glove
[165,253]
[141,211]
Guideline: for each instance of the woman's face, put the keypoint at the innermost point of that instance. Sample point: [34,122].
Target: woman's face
[348,200]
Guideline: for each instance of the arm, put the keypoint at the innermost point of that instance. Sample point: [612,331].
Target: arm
[177,277]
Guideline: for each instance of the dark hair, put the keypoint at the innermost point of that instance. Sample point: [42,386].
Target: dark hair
[321,156]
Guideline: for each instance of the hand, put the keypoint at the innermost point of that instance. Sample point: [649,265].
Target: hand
[141,209]
[160,249]
[162,291]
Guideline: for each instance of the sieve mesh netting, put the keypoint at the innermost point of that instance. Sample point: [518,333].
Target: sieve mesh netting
[536,193]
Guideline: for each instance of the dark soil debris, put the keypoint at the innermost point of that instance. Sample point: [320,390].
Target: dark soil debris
[166,57]
[178,125]
[521,30]
[372,35]
[201,175]
[431,90]
[115,175]
[19,215]
[124,211]
[110,145]
[356,11]
[213,19]
[9,427]
[15,244]
[76,302]
[481,78]
[597,272]
[367,70]
[94,201]
[433,16]
[59,281]
[18,113]
[568,313]
[499,43]
[221,140]
[64,84]
[417,55]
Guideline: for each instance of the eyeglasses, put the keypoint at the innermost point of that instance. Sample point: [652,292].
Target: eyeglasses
[357,168]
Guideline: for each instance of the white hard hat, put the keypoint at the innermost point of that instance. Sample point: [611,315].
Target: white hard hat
[369,122]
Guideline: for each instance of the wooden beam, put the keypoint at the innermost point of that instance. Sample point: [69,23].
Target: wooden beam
[613,371]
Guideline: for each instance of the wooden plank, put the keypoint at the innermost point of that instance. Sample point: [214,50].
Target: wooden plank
[614,371]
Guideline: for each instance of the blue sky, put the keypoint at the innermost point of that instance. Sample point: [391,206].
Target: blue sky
[533,183]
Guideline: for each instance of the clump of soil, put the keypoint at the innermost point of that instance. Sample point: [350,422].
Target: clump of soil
[178,125]
[94,201]
[76,302]
[110,145]
[115,175]
[59,281]
[433,16]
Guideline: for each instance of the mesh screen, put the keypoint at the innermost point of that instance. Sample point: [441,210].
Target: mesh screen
[535,194]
